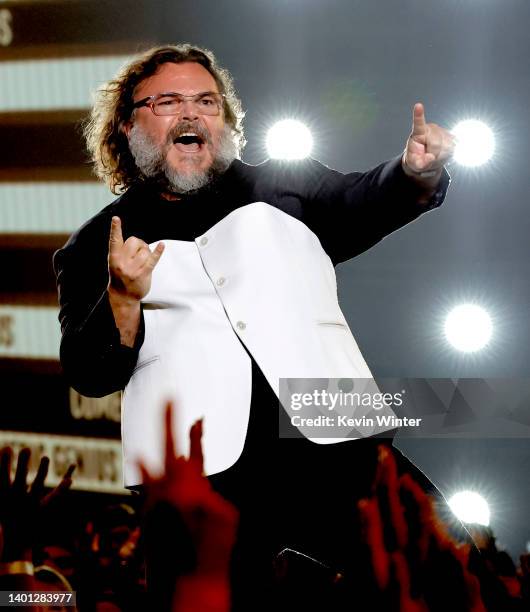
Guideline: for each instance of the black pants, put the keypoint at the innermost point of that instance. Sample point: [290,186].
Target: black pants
[308,502]
[290,493]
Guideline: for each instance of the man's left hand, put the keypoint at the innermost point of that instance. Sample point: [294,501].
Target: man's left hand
[428,148]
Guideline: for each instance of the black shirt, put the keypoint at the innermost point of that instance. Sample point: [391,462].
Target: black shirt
[348,212]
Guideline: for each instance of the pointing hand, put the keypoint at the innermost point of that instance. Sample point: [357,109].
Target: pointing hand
[429,146]
[131,263]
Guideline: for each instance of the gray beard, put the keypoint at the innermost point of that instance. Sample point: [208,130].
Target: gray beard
[150,159]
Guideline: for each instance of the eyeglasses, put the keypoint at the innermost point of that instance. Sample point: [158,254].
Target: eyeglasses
[164,104]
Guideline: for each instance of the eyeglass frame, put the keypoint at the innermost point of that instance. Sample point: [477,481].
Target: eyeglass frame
[149,101]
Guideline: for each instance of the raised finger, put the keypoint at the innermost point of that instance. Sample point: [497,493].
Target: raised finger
[116,236]
[396,531]
[419,125]
[422,514]
[156,254]
[21,474]
[170,441]
[401,572]
[196,455]
[69,472]
[66,483]
[148,259]
[372,526]
[38,482]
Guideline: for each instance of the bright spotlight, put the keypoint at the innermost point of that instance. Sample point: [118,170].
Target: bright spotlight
[475,143]
[468,327]
[289,139]
[470,507]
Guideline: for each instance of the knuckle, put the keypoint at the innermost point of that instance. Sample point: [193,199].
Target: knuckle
[140,243]
[117,268]
[133,241]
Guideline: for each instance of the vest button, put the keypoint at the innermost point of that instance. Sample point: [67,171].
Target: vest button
[221,281]
[240,325]
[203,241]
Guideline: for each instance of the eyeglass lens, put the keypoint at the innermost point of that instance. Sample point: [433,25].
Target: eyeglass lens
[204,104]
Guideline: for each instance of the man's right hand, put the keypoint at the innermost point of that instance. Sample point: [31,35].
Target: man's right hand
[131,265]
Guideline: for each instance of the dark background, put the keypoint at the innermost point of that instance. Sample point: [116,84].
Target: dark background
[352,70]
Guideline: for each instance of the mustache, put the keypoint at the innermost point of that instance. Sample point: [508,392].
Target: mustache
[188,126]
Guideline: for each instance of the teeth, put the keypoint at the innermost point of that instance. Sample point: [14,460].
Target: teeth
[189,134]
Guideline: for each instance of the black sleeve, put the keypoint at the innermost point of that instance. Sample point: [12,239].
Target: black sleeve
[93,359]
[352,212]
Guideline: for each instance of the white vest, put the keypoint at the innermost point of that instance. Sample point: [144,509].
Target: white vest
[258,277]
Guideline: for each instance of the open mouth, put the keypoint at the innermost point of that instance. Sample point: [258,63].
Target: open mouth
[188,142]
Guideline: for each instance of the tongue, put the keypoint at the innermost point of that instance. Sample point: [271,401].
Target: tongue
[188,148]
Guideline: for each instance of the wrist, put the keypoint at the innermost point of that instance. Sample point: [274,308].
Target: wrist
[121,300]
[127,314]
[426,185]
[427,178]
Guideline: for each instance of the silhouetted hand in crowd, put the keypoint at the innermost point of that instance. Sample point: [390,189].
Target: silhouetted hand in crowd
[416,565]
[524,575]
[22,506]
[21,519]
[210,519]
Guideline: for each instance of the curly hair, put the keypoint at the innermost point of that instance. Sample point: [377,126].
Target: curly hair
[106,141]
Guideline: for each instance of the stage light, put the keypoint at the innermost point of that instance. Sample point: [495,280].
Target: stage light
[475,143]
[468,328]
[470,507]
[289,139]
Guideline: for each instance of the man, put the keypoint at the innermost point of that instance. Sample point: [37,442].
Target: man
[210,279]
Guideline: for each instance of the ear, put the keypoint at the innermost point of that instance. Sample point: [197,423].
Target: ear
[125,128]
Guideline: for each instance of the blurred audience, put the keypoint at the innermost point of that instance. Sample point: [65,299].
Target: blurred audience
[413,558]
[411,561]
[50,580]
[111,563]
[499,564]
[23,512]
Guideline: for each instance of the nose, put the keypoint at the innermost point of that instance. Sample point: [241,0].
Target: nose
[188,110]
